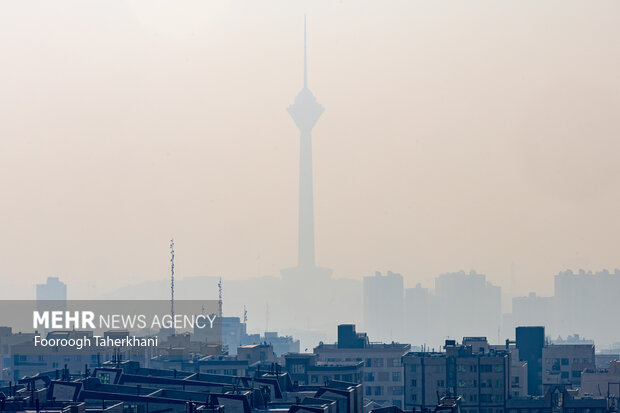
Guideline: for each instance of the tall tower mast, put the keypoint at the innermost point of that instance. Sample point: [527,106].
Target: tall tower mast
[219,301]
[172,279]
[305,111]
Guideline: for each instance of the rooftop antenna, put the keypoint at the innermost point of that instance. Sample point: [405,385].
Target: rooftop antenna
[305,57]
[245,315]
[172,279]
[219,302]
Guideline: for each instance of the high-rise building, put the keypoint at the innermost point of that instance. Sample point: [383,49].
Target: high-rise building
[51,296]
[467,303]
[531,310]
[530,342]
[475,372]
[419,307]
[383,306]
[383,376]
[563,364]
[587,303]
[53,289]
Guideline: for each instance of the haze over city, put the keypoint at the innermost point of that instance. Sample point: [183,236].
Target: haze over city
[471,137]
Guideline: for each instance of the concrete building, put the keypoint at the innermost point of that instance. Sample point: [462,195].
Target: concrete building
[383,375]
[587,303]
[419,307]
[281,344]
[478,374]
[601,382]
[530,342]
[564,363]
[383,306]
[306,369]
[256,353]
[468,304]
[53,289]
[531,310]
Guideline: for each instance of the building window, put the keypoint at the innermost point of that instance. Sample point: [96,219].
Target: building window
[414,368]
[104,378]
[498,368]
[297,368]
[368,391]
[378,362]
[576,374]
[368,362]
[414,383]
[565,362]
[414,397]
[369,376]
[130,408]
[378,391]
[461,368]
[396,376]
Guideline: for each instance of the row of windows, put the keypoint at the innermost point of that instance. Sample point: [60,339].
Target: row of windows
[576,374]
[227,372]
[379,390]
[440,383]
[381,362]
[565,361]
[463,368]
[383,376]
[316,378]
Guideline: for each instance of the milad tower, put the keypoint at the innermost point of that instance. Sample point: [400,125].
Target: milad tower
[305,111]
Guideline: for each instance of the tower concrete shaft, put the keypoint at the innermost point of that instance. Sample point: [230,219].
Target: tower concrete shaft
[305,111]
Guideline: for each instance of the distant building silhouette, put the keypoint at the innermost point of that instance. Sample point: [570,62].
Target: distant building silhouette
[51,296]
[468,303]
[419,306]
[383,306]
[587,303]
[53,289]
[584,303]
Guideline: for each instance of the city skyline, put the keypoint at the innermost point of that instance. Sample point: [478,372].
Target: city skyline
[112,168]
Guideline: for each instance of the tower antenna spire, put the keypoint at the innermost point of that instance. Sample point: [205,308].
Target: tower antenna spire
[219,301]
[172,279]
[305,57]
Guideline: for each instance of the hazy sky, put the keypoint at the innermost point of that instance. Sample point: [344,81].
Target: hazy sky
[456,135]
